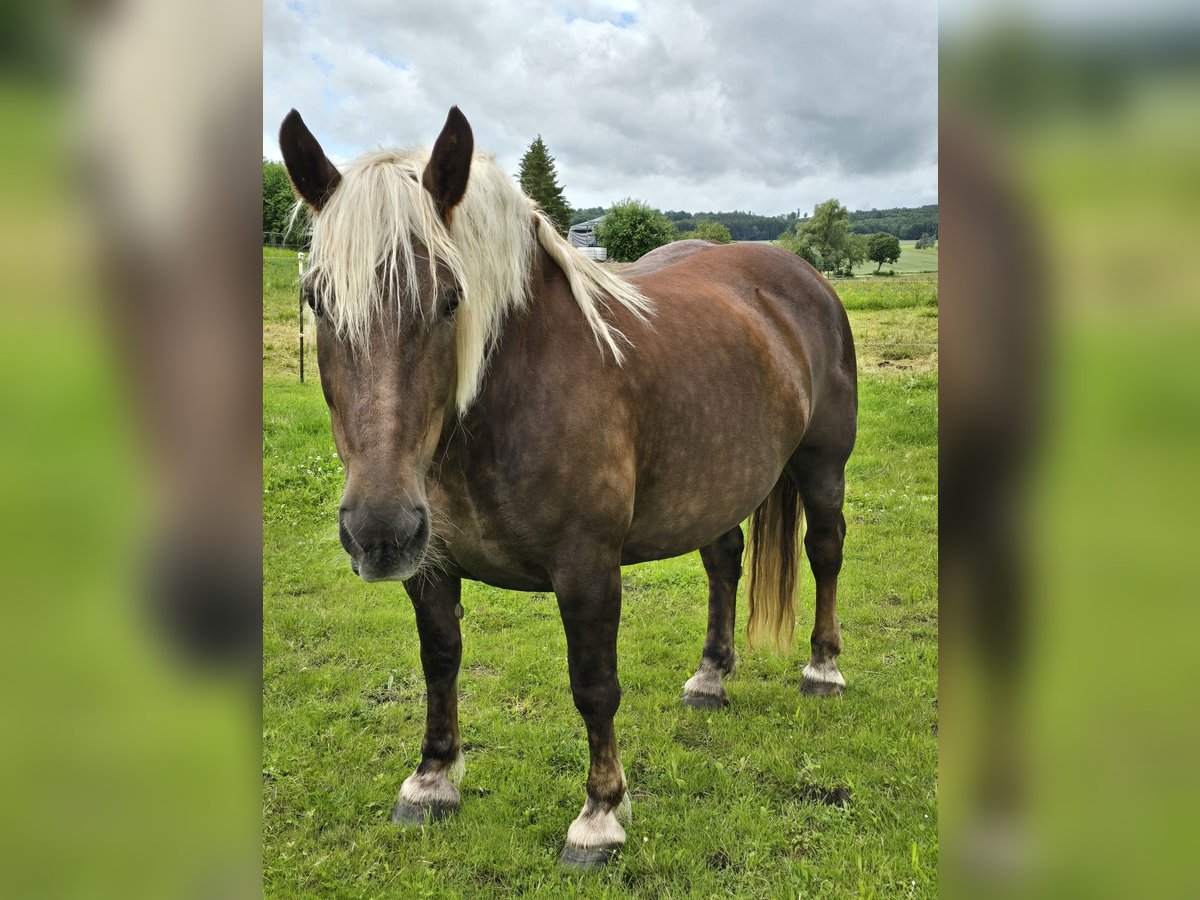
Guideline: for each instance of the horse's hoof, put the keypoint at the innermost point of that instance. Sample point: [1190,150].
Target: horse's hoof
[705,701]
[411,814]
[815,688]
[821,678]
[582,859]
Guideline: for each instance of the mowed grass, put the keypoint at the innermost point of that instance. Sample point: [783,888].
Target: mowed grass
[779,795]
[911,262]
[281,316]
[909,292]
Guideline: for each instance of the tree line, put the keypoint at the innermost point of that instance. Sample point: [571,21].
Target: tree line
[742,226]
[906,223]
[631,228]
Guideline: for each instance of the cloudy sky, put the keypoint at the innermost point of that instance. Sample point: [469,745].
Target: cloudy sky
[686,104]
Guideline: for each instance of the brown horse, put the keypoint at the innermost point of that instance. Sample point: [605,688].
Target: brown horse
[510,412]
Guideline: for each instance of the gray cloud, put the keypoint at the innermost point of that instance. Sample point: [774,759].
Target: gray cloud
[688,105]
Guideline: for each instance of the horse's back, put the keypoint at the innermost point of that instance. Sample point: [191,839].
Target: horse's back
[786,294]
[666,255]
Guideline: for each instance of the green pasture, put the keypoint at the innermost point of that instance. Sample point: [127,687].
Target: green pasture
[911,262]
[780,795]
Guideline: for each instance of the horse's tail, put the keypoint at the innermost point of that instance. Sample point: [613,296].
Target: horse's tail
[774,555]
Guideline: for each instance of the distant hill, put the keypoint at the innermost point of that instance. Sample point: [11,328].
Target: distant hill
[906,223]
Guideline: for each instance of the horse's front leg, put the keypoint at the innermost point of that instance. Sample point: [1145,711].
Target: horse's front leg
[589,599]
[430,792]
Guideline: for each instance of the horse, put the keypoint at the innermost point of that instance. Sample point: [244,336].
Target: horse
[511,412]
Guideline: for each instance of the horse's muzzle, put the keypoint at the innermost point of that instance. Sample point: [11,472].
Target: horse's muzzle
[383,547]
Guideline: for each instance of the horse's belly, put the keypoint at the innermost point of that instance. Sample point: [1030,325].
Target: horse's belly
[692,512]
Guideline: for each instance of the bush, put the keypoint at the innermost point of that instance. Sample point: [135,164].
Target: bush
[708,230]
[802,246]
[631,229]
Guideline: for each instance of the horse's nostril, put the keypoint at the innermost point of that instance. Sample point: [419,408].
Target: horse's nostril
[381,540]
[416,536]
[346,533]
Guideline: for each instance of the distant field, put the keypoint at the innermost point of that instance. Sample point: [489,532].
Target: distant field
[734,803]
[912,261]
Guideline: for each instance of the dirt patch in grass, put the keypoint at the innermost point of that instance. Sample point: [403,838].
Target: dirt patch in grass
[835,796]
[719,861]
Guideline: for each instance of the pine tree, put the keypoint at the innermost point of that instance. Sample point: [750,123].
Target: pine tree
[540,181]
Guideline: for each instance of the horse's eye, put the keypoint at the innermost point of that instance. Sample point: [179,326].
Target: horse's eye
[310,297]
[449,303]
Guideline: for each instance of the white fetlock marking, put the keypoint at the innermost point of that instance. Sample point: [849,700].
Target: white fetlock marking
[706,682]
[597,828]
[427,788]
[824,671]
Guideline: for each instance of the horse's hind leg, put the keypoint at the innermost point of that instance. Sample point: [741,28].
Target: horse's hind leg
[723,563]
[820,477]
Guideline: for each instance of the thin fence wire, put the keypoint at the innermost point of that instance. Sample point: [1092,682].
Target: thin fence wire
[285,240]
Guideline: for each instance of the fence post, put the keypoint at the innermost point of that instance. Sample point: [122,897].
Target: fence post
[300,291]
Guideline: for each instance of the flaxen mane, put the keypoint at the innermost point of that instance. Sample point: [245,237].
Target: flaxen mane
[380,224]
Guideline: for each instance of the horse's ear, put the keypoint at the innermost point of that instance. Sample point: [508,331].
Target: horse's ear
[313,175]
[450,163]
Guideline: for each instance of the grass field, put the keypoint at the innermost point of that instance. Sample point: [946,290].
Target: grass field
[777,796]
[911,262]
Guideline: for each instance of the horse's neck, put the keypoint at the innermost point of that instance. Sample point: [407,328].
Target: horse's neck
[531,343]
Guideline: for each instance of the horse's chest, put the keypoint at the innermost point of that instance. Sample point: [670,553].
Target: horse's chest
[482,545]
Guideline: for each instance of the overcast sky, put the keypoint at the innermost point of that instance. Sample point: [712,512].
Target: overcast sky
[761,106]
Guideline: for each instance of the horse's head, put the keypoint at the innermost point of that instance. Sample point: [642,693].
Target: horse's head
[385,341]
